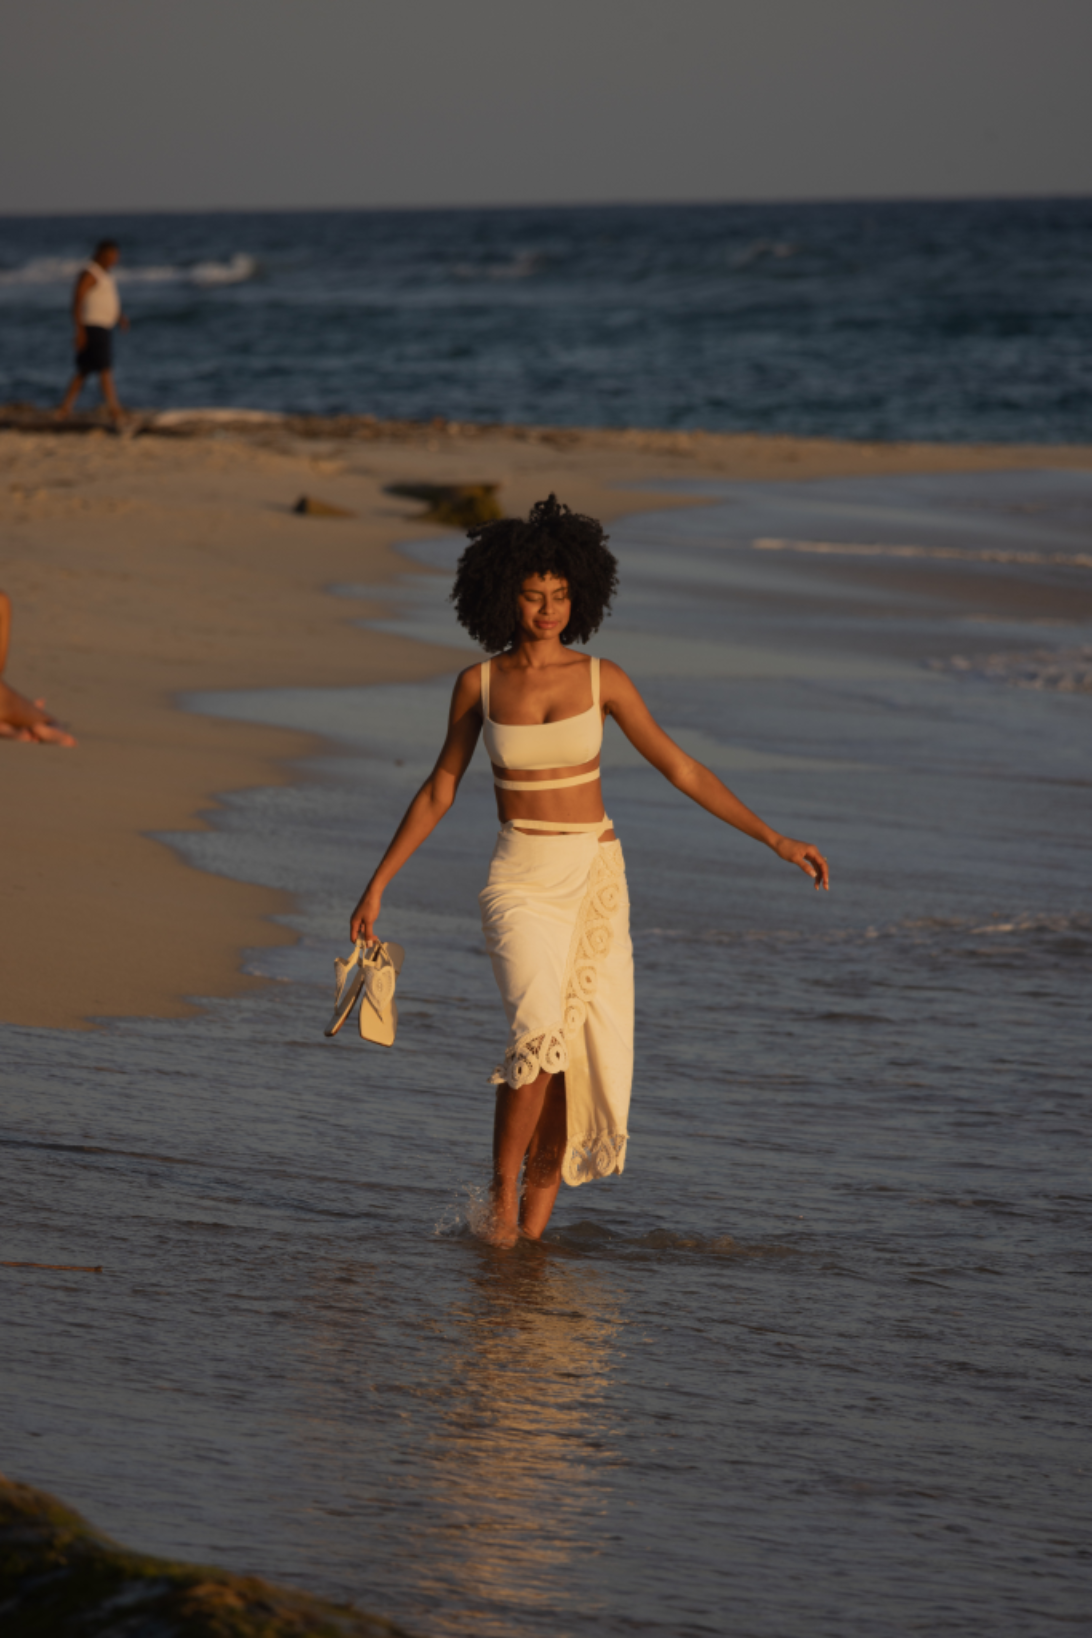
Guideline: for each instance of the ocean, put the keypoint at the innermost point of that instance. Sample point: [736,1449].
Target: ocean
[816,1366]
[956,321]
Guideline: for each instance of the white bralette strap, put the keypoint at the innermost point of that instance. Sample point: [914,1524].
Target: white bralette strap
[594,680]
[545,784]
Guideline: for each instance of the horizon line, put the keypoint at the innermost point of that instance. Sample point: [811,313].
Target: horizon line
[795,201]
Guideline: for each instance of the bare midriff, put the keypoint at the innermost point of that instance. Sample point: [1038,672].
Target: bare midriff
[578,805]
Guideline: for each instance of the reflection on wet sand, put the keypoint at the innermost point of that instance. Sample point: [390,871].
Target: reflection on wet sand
[527,1432]
[516,1425]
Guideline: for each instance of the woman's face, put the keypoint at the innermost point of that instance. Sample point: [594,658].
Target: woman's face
[544,607]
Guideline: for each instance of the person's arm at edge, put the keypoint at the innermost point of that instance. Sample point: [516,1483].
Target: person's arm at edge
[432,801]
[5,629]
[623,702]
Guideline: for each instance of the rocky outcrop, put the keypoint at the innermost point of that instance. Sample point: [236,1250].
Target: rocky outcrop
[459,505]
[60,1579]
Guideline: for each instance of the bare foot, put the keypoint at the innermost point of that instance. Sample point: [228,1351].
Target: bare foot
[28,720]
[51,733]
[502,1227]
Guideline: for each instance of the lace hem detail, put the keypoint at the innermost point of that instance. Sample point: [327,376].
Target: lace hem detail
[592,939]
[525,1062]
[599,1154]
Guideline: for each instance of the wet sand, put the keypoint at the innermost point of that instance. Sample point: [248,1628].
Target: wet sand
[146,569]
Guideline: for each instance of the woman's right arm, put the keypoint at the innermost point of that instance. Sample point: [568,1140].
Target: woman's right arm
[431,802]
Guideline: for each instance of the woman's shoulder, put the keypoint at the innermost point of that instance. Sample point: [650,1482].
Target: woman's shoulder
[611,671]
[615,686]
[468,684]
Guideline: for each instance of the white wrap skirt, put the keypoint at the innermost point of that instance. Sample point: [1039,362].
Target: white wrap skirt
[555,913]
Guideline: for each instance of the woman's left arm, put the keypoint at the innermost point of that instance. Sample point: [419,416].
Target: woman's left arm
[622,701]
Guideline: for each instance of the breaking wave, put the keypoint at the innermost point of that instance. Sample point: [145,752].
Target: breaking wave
[1023,928]
[53,270]
[1053,670]
[988,554]
[761,250]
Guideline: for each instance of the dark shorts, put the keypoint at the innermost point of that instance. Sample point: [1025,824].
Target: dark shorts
[98,354]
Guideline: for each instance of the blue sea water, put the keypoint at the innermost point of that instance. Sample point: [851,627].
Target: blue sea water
[956,320]
[817,1365]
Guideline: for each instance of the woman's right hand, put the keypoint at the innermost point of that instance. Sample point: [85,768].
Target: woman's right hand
[366,914]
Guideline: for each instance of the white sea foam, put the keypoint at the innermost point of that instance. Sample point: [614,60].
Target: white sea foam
[926,931]
[41,270]
[51,270]
[988,554]
[1054,670]
[762,249]
[236,271]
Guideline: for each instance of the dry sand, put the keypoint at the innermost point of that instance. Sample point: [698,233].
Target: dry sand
[142,569]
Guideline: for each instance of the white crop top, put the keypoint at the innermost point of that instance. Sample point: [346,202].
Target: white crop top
[530,746]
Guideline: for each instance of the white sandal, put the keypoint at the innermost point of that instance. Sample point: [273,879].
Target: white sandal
[370,972]
[349,978]
[378,1016]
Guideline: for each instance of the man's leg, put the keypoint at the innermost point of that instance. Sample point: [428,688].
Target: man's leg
[106,377]
[75,386]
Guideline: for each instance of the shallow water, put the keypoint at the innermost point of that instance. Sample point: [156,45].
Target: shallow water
[818,1364]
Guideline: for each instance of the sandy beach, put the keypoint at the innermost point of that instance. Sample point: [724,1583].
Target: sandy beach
[142,569]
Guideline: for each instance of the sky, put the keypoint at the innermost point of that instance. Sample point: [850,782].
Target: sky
[266,104]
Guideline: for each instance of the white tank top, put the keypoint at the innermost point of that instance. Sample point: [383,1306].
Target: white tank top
[101,305]
[532,746]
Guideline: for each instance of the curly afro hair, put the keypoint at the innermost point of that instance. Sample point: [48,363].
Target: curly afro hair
[502,555]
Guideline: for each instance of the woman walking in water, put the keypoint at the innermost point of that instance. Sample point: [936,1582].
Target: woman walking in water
[555,909]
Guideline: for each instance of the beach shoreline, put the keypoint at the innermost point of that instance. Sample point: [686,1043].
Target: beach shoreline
[146,569]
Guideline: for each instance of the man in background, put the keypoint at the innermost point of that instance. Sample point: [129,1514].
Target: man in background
[96,313]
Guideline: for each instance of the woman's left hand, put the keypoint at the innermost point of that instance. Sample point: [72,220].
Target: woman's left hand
[806,858]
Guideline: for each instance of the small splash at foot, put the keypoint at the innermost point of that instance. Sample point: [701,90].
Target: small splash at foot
[473,1214]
